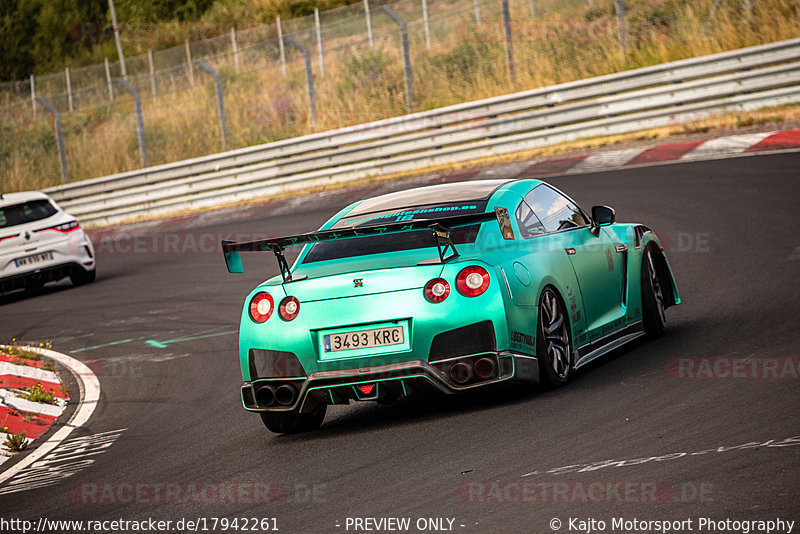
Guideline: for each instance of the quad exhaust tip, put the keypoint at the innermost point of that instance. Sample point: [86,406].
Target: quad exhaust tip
[265,396]
[484,368]
[460,372]
[285,395]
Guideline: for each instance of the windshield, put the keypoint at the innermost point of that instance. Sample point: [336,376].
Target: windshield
[26,212]
[360,246]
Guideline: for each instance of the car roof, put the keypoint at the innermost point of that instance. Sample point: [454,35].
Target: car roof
[10,199]
[454,192]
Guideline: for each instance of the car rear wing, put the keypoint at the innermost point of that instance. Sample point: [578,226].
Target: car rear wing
[440,229]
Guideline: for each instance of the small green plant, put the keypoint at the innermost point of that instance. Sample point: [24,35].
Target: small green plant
[21,352]
[38,394]
[16,442]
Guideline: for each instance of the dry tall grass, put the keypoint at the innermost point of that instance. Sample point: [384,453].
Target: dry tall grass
[465,62]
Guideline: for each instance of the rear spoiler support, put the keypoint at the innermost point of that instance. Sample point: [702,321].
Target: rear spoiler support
[286,273]
[440,227]
[444,243]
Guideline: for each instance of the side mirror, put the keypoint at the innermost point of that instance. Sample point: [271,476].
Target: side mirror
[603,215]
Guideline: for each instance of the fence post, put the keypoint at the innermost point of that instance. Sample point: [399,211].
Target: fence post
[427,27]
[319,42]
[152,73]
[714,8]
[369,24]
[117,40]
[235,49]
[189,63]
[108,80]
[223,124]
[533,9]
[33,96]
[509,47]
[748,9]
[621,31]
[406,55]
[69,89]
[477,13]
[280,44]
[312,103]
[139,123]
[62,154]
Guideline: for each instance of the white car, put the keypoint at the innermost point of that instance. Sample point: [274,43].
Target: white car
[40,243]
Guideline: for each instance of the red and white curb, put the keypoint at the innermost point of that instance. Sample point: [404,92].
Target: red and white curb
[721,147]
[41,416]
[18,414]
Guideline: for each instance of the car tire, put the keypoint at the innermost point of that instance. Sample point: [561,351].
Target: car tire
[653,317]
[79,277]
[291,423]
[553,346]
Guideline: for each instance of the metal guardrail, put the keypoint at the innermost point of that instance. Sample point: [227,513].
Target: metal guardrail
[655,96]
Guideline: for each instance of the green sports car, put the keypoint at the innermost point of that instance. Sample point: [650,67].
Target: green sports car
[452,287]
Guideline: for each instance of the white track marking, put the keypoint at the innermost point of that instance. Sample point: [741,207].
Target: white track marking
[605,464]
[89,387]
[26,371]
[9,399]
[605,160]
[725,146]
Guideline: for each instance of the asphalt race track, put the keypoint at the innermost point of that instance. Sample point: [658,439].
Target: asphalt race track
[159,331]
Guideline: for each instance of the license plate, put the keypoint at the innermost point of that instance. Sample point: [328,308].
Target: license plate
[36,258]
[363,339]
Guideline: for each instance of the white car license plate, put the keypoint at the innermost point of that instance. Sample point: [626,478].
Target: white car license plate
[36,258]
[363,339]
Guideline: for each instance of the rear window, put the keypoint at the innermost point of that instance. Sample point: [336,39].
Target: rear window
[26,212]
[379,244]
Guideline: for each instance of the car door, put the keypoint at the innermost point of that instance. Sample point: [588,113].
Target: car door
[592,252]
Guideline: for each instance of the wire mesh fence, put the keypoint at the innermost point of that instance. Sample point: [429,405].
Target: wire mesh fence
[342,67]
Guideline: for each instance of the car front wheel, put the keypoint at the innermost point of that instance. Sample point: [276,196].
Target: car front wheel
[653,308]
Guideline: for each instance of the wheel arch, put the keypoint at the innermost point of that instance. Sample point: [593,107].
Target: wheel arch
[651,243]
[552,284]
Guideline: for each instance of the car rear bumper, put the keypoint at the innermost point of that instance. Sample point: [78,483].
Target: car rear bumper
[67,254]
[42,275]
[304,395]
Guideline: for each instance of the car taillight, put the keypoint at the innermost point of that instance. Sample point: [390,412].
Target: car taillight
[472,281]
[63,228]
[8,237]
[261,306]
[289,308]
[437,290]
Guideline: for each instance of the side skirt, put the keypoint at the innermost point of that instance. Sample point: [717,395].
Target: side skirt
[608,343]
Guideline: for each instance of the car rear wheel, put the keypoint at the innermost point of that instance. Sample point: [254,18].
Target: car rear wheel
[80,277]
[290,423]
[653,308]
[553,346]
